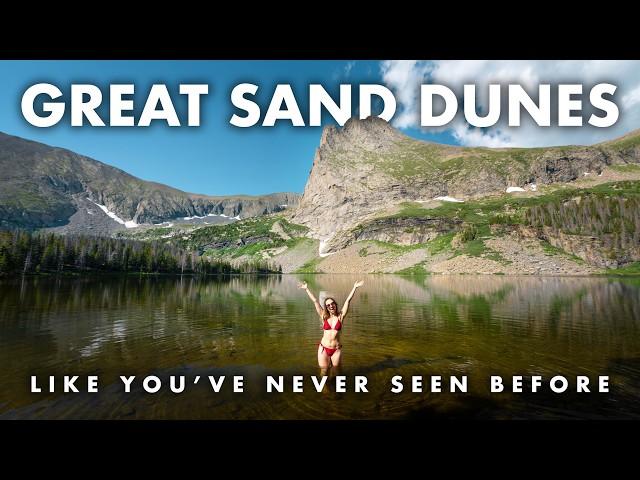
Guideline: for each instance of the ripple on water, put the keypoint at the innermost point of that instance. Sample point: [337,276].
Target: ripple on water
[475,326]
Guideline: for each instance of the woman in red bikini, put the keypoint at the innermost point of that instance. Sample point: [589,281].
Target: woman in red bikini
[329,349]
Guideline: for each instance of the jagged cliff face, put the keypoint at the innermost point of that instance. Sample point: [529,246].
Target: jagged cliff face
[40,186]
[367,167]
[343,184]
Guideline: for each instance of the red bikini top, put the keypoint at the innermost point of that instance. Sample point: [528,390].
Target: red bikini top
[326,325]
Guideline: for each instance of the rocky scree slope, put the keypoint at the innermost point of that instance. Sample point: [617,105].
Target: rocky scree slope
[40,184]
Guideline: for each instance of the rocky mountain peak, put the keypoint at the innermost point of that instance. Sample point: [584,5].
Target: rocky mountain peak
[371,133]
[368,167]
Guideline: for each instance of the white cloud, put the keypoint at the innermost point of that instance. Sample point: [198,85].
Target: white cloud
[632,97]
[347,69]
[405,77]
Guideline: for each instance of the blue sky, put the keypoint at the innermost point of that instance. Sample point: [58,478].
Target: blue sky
[215,158]
[219,159]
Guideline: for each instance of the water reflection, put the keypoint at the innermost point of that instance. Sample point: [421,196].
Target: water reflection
[258,326]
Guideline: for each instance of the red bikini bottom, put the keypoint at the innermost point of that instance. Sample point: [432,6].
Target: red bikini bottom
[327,350]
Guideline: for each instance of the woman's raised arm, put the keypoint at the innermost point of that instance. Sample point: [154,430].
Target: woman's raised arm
[303,286]
[345,308]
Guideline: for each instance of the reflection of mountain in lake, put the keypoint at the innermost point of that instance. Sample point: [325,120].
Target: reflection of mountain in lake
[477,326]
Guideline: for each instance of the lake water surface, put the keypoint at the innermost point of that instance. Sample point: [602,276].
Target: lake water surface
[253,326]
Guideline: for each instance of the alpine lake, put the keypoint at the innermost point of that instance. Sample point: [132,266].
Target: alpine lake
[416,332]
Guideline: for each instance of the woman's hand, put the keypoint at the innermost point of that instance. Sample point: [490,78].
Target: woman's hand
[359,283]
[302,285]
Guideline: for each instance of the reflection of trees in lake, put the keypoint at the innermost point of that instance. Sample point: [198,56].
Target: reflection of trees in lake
[544,298]
[522,305]
[139,325]
[243,315]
